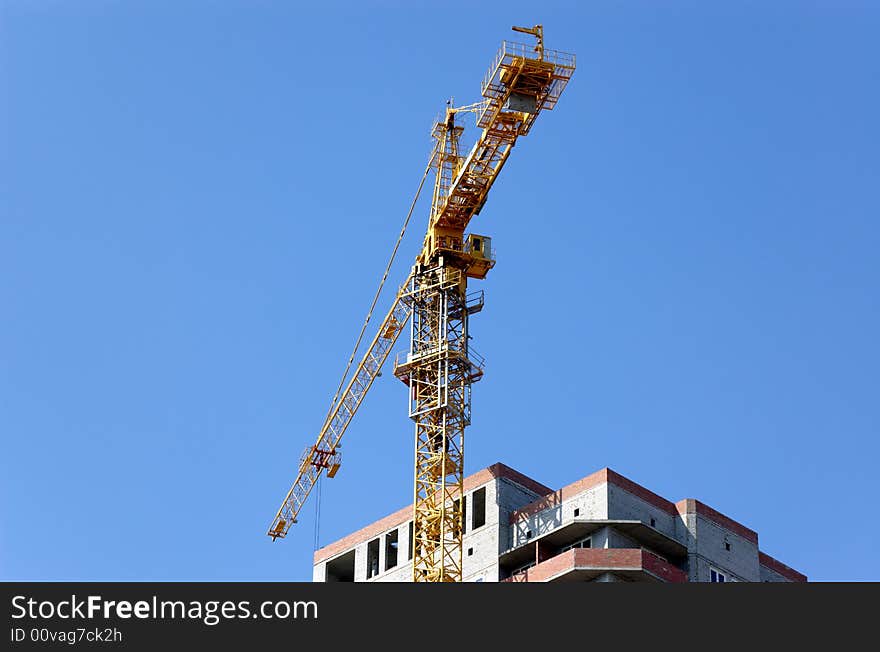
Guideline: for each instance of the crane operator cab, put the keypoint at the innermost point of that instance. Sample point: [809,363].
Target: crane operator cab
[480,255]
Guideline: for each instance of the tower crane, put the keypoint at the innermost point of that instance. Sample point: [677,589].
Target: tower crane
[440,365]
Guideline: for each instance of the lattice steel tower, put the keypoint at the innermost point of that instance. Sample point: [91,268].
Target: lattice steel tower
[439,370]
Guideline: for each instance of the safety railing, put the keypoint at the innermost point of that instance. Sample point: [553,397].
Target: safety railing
[402,358]
[511,49]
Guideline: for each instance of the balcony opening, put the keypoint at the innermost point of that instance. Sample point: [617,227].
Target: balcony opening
[522,569]
[340,569]
[582,543]
[412,542]
[478,508]
[372,558]
[577,512]
[458,518]
[391,550]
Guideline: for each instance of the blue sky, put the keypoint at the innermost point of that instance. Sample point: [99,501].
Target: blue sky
[197,200]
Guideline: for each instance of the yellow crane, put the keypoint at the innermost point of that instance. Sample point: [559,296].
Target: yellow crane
[440,365]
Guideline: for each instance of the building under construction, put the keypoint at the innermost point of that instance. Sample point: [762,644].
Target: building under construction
[602,528]
[496,525]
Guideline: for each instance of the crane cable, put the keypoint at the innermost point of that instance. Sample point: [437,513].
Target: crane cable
[381,285]
[364,328]
[318,513]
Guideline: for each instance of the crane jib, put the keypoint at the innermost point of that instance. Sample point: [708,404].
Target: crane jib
[324,455]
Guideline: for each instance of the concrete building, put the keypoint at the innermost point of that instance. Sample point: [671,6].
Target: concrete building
[603,528]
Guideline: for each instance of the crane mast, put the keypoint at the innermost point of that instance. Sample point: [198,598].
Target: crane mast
[439,369]
[440,365]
